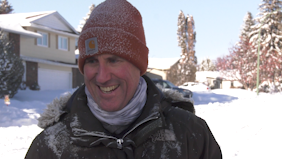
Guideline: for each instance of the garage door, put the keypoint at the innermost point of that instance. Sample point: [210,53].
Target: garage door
[54,79]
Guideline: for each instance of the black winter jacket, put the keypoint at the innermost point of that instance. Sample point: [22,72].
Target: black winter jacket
[162,131]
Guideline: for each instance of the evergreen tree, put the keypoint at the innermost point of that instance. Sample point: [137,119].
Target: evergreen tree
[182,33]
[247,26]
[82,22]
[11,68]
[186,40]
[269,21]
[5,7]
[207,65]
[240,64]
[191,39]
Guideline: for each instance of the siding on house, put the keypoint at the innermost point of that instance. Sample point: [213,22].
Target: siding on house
[53,67]
[28,47]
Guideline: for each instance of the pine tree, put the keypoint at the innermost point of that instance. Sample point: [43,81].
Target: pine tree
[5,7]
[11,68]
[269,21]
[243,56]
[243,63]
[240,64]
[207,65]
[191,39]
[82,22]
[247,26]
[186,40]
[182,33]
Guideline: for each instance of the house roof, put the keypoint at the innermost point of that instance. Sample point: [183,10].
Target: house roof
[48,20]
[11,23]
[162,63]
[226,75]
[32,59]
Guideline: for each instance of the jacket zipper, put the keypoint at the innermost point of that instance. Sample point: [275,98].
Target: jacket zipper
[151,117]
[120,141]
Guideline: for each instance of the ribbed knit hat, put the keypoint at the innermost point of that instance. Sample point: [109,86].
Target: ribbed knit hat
[114,27]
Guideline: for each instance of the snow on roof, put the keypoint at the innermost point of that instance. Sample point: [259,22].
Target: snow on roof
[162,63]
[17,28]
[11,23]
[230,75]
[32,59]
[32,16]
[14,22]
[202,76]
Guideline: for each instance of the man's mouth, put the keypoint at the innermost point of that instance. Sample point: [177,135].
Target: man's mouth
[108,89]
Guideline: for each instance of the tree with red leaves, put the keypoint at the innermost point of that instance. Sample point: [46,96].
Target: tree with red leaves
[240,64]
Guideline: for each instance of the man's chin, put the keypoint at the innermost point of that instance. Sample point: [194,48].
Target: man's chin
[109,107]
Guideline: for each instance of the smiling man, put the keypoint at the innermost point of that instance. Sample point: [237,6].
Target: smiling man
[111,81]
[119,113]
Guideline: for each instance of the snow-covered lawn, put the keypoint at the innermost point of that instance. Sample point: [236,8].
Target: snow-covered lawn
[245,125]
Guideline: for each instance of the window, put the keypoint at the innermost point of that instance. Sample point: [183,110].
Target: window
[76,43]
[62,43]
[43,41]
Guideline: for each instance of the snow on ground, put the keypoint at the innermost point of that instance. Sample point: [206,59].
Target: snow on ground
[244,124]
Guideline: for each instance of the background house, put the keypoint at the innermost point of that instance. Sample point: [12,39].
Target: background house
[158,67]
[46,42]
[216,79]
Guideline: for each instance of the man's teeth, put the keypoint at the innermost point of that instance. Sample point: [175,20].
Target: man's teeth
[108,89]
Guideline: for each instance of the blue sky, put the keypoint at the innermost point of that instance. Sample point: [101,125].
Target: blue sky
[217,22]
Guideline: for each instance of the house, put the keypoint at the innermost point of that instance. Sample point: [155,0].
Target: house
[158,67]
[210,78]
[46,42]
[215,79]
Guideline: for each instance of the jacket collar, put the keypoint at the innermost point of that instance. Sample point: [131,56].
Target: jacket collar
[87,129]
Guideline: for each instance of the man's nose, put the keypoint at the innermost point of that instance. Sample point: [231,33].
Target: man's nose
[103,74]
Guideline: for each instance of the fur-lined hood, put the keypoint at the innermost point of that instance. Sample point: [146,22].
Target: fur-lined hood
[55,109]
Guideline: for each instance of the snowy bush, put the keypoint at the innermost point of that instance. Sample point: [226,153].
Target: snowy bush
[11,68]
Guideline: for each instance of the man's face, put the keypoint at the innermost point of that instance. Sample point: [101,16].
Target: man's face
[111,80]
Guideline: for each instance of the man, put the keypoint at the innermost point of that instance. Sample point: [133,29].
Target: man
[118,113]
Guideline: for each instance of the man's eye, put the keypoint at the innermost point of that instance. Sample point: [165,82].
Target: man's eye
[91,60]
[113,60]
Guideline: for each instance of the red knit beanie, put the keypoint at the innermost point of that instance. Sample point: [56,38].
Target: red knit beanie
[114,27]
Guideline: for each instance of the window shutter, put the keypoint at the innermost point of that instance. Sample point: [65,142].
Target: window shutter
[49,37]
[57,42]
[35,42]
